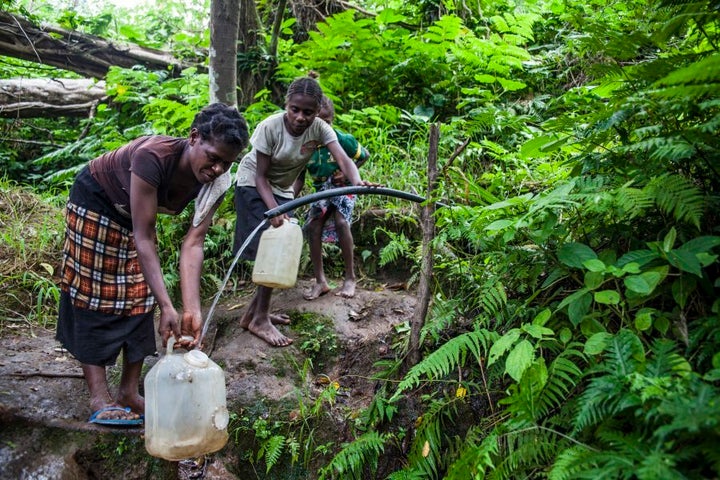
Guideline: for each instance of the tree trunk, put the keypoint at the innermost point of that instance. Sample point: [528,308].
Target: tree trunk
[86,55]
[250,66]
[428,227]
[47,97]
[224,17]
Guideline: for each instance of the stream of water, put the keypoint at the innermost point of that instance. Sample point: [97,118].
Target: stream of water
[227,277]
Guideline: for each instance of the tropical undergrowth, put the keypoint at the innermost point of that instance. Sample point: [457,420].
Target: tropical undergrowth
[574,326]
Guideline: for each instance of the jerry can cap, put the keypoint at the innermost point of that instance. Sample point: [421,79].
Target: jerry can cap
[196,358]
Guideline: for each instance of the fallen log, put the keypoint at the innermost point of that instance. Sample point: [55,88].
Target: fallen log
[49,97]
[87,55]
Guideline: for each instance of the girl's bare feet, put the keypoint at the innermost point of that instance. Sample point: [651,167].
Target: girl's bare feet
[263,328]
[279,319]
[348,289]
[317,290]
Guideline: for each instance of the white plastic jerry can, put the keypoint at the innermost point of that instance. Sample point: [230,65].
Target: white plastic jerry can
[185,406]
[278,256]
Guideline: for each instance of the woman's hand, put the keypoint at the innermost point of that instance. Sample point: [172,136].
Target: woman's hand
[168,324]
[192,324]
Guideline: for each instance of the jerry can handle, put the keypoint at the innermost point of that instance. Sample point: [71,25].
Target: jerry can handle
[171,342]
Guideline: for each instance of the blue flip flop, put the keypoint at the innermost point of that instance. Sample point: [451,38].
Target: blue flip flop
[115,421]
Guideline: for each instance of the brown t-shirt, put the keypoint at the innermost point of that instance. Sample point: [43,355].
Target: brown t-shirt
[152,158]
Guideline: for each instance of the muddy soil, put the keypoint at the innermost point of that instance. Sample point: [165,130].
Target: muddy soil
[44,433]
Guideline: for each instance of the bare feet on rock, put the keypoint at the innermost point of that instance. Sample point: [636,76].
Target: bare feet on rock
[348,289]
[317,290]
[263,328]
[279,319]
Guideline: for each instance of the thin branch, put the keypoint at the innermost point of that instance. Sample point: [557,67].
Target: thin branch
[27,38]
[454,155]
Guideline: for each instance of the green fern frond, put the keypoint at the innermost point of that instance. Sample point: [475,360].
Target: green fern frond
[668,148]
[563,376]
[475,457]
[425,452]
[398,247]
[608,394]
[447,358]
[493,297]
[665,360]
[526,452]
[632,202]
[271,450]
[570,462]
[351,461]
[406,474]
[542,389]
[678,196]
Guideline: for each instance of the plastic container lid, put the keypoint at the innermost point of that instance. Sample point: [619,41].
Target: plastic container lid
[196,358]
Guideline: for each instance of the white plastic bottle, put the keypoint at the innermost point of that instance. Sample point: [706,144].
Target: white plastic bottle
[185,406]
[278,256]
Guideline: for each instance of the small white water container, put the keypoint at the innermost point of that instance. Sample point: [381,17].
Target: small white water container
[185,406]
[278,256]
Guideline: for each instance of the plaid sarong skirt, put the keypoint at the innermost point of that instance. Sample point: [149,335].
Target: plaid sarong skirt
[100,269]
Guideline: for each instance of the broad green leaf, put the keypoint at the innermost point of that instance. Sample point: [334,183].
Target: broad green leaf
[662,324]
[536,331]
[388,15]
[485,78]
[574,254]
[502,345]
[631,267]
[593,280]
[637,284]
[542,317]
[590,326]
[682,288]
[594,265]
[533,148]
[643,321]
[499,225]
[519,359]
[640,257]
[555,144]
[607,297]
[573,297]
[669,240]
[685,261]
[579,308]
[700,244]
[597,343]
[425,112]
[706,259]
[565,335]
[510,85]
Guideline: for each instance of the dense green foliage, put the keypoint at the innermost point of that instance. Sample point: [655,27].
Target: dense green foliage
[574,329]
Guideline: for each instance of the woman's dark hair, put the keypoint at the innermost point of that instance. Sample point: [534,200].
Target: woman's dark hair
[221,123]
[306,86]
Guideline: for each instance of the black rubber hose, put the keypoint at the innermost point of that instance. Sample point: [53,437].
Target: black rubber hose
[306,199]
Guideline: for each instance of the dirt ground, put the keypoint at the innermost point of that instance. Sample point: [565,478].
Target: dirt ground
[44,433]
